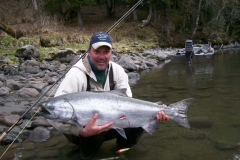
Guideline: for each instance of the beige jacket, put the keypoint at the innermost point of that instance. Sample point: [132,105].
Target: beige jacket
[76,81]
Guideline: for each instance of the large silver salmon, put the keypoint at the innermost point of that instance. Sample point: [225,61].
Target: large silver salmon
[114,106]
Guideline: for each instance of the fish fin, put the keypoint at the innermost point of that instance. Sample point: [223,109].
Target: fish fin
[150,127]
[120,92]
[182,106]
[121,132]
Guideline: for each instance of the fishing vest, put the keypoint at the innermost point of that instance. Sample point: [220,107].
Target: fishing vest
[111,82]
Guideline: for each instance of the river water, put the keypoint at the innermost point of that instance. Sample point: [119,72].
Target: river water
[214,116]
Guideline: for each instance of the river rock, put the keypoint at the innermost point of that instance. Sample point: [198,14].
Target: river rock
[150,64]
[51,92]
[38,85]
[40,121]
[52,74]
[14,85]
[4,91]
[143,66]
[64,55]
[10,137]
[27,51]
[3,78]
[30,66]
[40,74]
[9,70]
[44,65]
[1,84]
[9,120]
[62,68]
[52,80]
[127,63]
[52,67]
[27,115]
[28,92]
[39,134]
[133,75]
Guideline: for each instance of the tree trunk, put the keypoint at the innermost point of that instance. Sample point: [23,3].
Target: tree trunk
[146,21]
[79,16]
[219,12]
[154,14]
[135,18]
[10,31]
[198,15]
[110,8]
[229,21]
[35,5]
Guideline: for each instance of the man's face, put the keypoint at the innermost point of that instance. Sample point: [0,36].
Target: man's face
[100,56]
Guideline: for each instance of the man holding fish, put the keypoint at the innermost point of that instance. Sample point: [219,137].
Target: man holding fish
[96,72]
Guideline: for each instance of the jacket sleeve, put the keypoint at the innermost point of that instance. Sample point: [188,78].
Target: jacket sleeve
[74,81]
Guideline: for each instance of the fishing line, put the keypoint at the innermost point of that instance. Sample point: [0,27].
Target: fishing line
[125,15]
[82,56]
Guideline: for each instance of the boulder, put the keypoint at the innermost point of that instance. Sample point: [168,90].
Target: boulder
[27,52]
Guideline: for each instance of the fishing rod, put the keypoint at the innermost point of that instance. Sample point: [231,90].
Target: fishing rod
[82,56]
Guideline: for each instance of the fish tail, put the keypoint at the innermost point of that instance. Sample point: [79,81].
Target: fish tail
[181,116]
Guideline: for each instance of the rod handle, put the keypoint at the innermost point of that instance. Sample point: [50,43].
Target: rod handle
[3,136]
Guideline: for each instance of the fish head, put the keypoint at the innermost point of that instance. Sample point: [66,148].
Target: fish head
[57,109]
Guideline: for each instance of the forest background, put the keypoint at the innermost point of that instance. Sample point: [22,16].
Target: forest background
[53,24]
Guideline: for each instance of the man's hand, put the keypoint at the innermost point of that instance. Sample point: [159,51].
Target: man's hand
[92,129]
[161,116]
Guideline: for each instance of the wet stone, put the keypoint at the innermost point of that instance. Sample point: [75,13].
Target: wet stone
[38,85]
[28,92]
[8,156]
[14,85]
[4,91]
[10,137]
[9,120]
[39,134]
[39,121]
[3,77]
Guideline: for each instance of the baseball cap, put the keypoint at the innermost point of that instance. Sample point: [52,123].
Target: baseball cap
[100,39]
